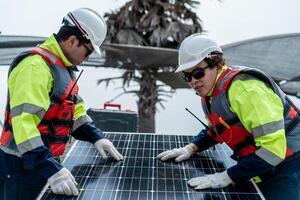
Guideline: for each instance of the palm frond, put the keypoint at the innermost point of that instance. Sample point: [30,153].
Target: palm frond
[108,80]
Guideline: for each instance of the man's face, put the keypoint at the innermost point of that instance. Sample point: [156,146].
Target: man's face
[77,53]
[201,78]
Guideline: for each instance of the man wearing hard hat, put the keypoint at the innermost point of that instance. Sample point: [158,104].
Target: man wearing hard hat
[44,109]
[247,110]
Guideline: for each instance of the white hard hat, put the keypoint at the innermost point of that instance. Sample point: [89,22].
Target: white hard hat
[91,25]
[194,49]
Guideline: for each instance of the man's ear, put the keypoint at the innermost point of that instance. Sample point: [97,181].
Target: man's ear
[71,40]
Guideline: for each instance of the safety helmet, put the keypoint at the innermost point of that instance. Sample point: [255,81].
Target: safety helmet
[194,49]
[90,24]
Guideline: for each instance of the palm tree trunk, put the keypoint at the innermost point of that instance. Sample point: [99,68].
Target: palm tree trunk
[148,94]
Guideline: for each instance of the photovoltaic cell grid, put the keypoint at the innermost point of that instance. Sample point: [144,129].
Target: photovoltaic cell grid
[142,176]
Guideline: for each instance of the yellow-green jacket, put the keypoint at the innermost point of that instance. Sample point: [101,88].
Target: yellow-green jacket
[30,85]
[253,102]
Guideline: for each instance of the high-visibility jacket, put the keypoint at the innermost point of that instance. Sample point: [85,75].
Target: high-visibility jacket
[31,84]
[226,126]
[48,81]
[57,122]
[260,139]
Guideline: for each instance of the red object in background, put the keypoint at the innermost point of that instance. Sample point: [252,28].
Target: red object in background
[112,105]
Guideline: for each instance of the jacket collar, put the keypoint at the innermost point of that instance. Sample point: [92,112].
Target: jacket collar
[219,72]
[52,45]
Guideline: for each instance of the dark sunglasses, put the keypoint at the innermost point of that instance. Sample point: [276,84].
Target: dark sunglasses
[197,74]
[89,51]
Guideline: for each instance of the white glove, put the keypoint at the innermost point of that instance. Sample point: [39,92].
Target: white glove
[63,182]
[180,154]
[106,145]
[216,180]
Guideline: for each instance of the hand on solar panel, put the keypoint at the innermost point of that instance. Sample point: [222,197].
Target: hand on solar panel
[179,154]
[214,181]
[104,145]
[63,182]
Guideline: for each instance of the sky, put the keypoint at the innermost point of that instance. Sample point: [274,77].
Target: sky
[226,21]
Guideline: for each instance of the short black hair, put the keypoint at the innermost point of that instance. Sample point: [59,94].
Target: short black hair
[66,31]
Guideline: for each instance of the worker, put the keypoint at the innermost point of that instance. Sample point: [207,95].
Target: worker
[44,109]
[246,110]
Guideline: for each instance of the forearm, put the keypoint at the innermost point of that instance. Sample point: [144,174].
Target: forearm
[88,132]
[41,160]
[202,141]
[247,168]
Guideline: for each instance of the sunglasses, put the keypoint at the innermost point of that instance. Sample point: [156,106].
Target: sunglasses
[196,74]
[89,51]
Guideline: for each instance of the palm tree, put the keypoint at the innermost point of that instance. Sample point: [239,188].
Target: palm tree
[158,23]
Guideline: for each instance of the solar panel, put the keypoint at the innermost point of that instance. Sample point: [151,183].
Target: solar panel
[142,176]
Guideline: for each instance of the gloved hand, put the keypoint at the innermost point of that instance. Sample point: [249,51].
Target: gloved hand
[216,180]
[63,182]
[180,154]
[106,145]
